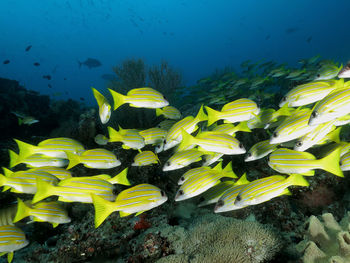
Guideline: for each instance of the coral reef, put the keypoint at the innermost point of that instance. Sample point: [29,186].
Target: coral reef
[326,240]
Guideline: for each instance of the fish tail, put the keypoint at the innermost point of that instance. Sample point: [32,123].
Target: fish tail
[228,172]
[7,172]
[2,180]
[187,140]
[243,126]
[44,190]
[114,136]
[120,178]
[9,256]
[201,116]
[22,211]
[297,179]
[334,136]
[159,112]
[330,163]
[74,159]
[103,209]
[218,167]
[242,180]
[25,150]
[98,96]
[213,115]
[13,158]
[118,99]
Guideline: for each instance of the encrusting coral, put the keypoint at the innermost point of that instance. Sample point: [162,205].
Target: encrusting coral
[326,240]
[214,238]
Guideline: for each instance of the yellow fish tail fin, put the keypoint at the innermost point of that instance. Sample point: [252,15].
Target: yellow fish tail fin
[330,163]
[187,140]
[44,190]
[159,112]
[218,167]
[297,179]
[3,180]
[98,96]
[201,116]
[118,99]
[228,172]
[74,159]
[9,257]
[22,211]
[7,172]
[120,178]
[213,115]
[114,136]
[242,180]
[334,135]
[13,158]
[243,126]
[25,149]
[103,209]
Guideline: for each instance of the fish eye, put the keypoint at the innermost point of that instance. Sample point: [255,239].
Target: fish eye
[318,75]
[238,198]
[164,141]
[220,203]
[299,144]
[162,193]
[314,114]
[181,192]
[167,163]
[182,178]
[241,145]
[340,163]
[274,134]
[284,98]
[164,97]
[249,155]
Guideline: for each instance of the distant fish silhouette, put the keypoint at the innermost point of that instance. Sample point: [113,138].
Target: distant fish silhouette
[49,86]
[28,48]
[6,61]
[90,63]
[308,40]
[291,30]
[37,64]
[81,98]
[48,77]
[267,37]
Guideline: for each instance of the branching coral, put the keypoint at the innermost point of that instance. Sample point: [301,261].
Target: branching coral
[326,240]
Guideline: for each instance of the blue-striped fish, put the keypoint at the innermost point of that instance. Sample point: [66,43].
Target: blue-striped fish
[52,212]
[182,159]
[7,215]
[169,112]
[209,159]
[100,139]
[11,239]
[135,199]
[292,127]
[130,138]
[264,189]
[140,98]
[145,158]
[59,172]
[213,142]
[310,92]
[196,171]
[345,162]
[166,124]
[212,195]
[345,72]
[260,150]
[188,124]
[235,111]
[55,147]
[231,129]
[293,162]
[199,183]
[335,105]
[25,181]
[153,135]
[104,108]
[328,71]
[96,158]
[226,202]
[37,160]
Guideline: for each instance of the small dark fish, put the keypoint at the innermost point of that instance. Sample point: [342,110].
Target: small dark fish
[6,61]
[65,79]
[291,30]
[164,33]
[28,48]
[81,98]
[48,77]
[267,37]
[37,64]
[90,63]
[308,40]
[49,86]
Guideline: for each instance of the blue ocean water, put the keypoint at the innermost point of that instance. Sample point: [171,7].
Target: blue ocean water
[195,37]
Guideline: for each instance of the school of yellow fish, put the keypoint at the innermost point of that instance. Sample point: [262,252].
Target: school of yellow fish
[310,114]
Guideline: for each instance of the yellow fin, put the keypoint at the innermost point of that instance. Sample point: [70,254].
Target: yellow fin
[118,99]
[159,112]
[22,211]
[9,257]
[13,158]
[124,214]
[44,189]
[297,179]
[74,159]
[242,180]
[213,115]
[7,172]
[243,127]
[114,136]
[54,224]
[330,163]
[201,116]
[103,208]
[99,97]
[228,172]
[25,150]
[120,178]
[139,213]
